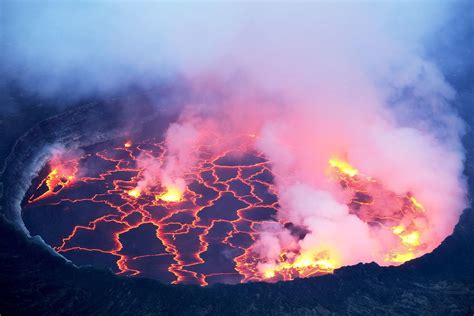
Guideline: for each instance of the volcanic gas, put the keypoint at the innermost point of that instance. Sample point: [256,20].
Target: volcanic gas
[91,208]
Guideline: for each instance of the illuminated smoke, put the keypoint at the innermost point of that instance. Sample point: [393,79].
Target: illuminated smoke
[340,94]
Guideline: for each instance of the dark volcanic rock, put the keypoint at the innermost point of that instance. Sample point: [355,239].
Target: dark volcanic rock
[35,281]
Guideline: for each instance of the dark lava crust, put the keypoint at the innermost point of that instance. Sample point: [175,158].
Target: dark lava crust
[35,282]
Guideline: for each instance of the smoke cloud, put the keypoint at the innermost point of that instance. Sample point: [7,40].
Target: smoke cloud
[311,81]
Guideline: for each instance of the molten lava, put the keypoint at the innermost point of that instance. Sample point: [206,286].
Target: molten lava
[302,266]
[343,167]
[172,194]
[134,193]
[62,175]
[368,202]
[205,233]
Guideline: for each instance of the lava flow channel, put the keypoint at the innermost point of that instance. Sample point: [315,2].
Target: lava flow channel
[90,210]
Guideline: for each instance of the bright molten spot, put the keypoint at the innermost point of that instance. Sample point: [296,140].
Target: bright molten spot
[344,167]
[417,204]
[59,178]
[411,240]
[304,265]
[134,193]
[171,195]
[400,257]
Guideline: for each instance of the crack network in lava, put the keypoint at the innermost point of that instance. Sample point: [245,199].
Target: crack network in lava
[90,210]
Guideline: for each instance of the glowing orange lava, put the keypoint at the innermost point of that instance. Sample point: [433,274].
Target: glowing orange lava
[179,231]
[343,167]
[134,193]
[368,203]
[303,265]
[172,194]
[60,176]
[206,232]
